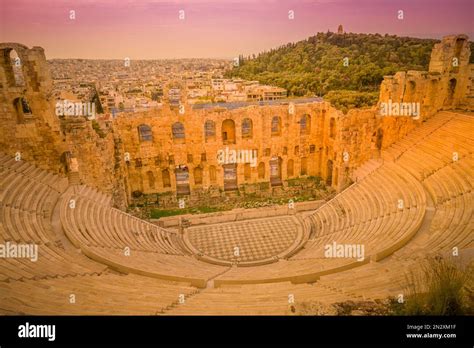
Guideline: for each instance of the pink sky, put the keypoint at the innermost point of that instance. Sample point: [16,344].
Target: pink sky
[148,29]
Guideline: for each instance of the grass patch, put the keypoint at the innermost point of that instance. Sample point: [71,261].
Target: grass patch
[159,213]
[440,287]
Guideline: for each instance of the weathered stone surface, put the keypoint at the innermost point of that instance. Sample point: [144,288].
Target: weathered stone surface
[111,156]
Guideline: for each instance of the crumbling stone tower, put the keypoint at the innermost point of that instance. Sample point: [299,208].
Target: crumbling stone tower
[31,130]
[28,125]
[448,84]
[450,58]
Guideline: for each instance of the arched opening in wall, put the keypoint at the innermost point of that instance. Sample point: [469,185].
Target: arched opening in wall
[379,139]
[459,44]
[276,126]
[290,168]
[305,124]
[228,131]
[23,110]
[145,133]
[320,161]
[304,166]
[136,182]
[346,175]
[182,180]
[433,92]
[296,151]
[212,174]
[275,171]
[457,52]
[178,132]
[16,64]
[261,170]
[336,172]
[210,130]
[451,91]
[230,177]
[332,128]
[247,171]
[165,178]
[329,173]
[197,176]
[247,128]
[66,161]
[151,179]
[410,93]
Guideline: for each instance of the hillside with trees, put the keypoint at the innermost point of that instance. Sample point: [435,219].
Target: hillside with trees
[338,64]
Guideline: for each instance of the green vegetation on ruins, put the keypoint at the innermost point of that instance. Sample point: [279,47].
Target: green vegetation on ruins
[247,198]
[315,66]
[441,286]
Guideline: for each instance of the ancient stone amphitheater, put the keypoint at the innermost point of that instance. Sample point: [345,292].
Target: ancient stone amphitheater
[413,200]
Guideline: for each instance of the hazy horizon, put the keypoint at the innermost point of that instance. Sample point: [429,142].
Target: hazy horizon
[151,29]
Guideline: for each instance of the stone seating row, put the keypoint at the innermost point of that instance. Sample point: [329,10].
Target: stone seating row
[103,294]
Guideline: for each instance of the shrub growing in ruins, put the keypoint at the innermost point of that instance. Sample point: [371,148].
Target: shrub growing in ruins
[440,287]
[345,100]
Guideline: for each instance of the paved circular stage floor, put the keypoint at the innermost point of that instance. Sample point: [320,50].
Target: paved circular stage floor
[242,242]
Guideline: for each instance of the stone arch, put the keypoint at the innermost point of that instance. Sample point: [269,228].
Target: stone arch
[247,171]
[69,162]
[379,139]
[15,75]
[323,118]
[458,47]
[451,91]
[182,180]
[151,179]
[165,178]
[329,168]
[304,166]
[197,176]
[290,168]
[178,131]
[209,130]
[136,184]
[261,170]
[247,128]
[433,91]
[228,131]
[276,126]
[22,109]
[332,128]
[305,124]
[212,174]
[410,93]
[230,177]
[275,171]
[145,133]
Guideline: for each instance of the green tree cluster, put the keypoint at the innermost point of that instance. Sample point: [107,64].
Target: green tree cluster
[328,62]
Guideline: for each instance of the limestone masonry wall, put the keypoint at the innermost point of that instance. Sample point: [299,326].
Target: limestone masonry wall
[172,153]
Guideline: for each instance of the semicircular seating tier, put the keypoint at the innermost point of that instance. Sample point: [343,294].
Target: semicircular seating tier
[416,201]
[380,214]
[126,243]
